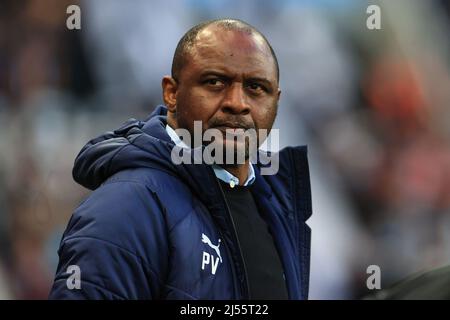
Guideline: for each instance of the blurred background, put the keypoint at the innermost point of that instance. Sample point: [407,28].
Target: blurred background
[372,105]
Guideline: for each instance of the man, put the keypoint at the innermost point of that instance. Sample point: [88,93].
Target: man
[157,228]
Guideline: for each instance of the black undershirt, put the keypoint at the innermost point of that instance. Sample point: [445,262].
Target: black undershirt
[264,268]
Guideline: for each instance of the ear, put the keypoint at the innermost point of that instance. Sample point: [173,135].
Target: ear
[278,94]
[169,88]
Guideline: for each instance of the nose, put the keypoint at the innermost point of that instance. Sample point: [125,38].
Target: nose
[235,100]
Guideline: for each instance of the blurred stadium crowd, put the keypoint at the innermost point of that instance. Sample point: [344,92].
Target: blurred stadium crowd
[372,105]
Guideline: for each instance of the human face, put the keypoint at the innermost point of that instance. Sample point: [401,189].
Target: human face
[229,81]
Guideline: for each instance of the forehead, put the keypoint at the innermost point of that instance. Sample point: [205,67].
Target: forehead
[231,50]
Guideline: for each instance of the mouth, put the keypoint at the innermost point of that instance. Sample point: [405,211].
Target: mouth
[230,129]
[232,125]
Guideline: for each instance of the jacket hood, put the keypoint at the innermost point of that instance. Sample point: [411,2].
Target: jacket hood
[136,144]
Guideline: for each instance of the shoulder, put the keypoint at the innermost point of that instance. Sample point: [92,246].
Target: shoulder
[132,207]
[289,178]
[297,175]
[117,238]
[171,192]
[294,166]
[124,214]
[286,166]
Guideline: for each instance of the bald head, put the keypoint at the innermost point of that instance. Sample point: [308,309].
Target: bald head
[188,41]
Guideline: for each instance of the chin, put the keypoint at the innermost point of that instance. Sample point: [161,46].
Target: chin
[235,148]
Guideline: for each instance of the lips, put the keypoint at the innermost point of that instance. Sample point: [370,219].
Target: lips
[232,125]
[230,129]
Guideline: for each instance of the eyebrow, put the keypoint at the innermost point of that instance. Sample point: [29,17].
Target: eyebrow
[267,82]
[218,73]
[213,73]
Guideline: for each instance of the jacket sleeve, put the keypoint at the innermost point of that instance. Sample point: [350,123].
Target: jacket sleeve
[114,246]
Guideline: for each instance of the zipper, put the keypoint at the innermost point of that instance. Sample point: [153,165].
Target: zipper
[246,288]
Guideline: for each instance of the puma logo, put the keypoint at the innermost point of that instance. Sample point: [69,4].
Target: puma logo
[208,258]
[206,240]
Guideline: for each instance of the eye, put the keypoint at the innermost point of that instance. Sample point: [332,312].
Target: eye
[256,87]
[214,82]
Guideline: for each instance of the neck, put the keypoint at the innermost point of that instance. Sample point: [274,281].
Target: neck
[239,171]
[171,121]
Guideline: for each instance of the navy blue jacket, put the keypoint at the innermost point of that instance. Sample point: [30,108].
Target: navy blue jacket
[151,229]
